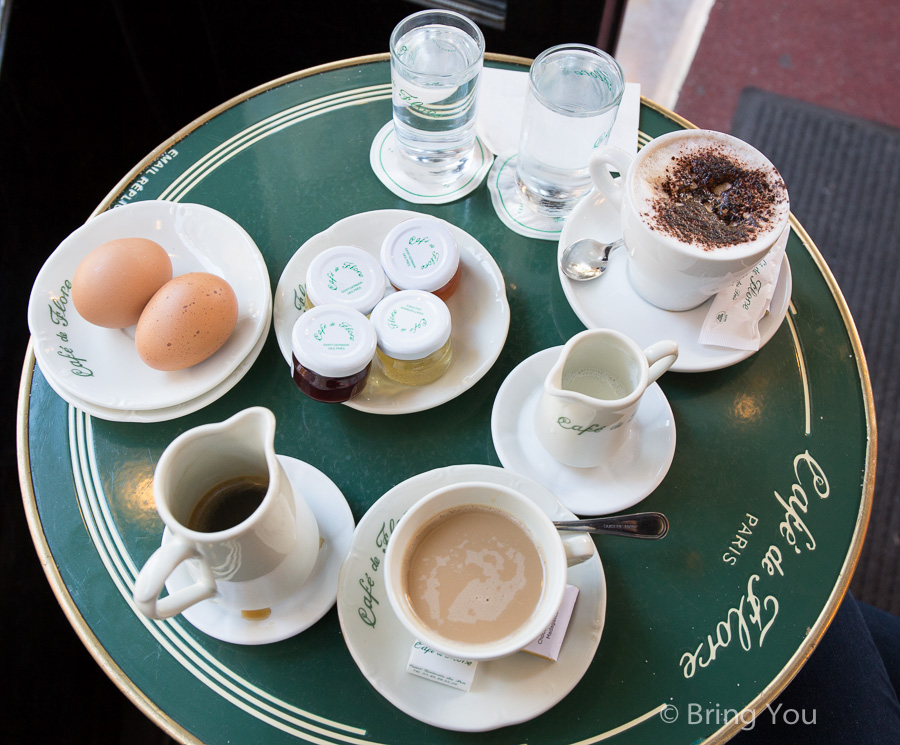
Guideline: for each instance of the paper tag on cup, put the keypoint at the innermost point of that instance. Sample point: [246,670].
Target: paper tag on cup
[430,664]
[548,644]
[734,316]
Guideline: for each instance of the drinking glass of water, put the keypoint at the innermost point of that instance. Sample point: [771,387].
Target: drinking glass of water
[573,97]
[436,61]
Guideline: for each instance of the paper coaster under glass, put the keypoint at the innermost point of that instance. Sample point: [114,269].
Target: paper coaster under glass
[511,208]
[384,159]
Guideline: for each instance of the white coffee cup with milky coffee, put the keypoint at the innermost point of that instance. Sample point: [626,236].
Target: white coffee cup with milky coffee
[699,210]
[477,570]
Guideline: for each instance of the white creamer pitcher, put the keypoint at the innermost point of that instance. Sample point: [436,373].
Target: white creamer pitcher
[592,393]
[251,565]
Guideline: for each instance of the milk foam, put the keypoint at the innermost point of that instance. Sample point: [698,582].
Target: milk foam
[474,574]
[485,598]
[595,383]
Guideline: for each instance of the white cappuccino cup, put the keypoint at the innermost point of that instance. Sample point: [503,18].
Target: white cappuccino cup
[699,210]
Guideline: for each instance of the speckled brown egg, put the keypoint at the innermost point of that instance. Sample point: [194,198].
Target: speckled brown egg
[186,321]
[114,282]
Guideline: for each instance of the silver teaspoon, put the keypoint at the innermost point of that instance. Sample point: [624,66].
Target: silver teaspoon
[653,525]
[586,259]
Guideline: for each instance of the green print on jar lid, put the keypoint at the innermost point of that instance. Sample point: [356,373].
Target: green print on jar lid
[345,275]
[333,340]
[420,254]
[411,324]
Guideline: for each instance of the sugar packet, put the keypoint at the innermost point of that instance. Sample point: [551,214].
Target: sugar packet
[734,316]
[430,664]
[549,644]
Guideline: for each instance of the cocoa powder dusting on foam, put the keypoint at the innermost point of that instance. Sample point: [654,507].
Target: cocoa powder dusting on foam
[710,200]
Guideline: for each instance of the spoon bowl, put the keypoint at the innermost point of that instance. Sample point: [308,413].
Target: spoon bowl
[586,258]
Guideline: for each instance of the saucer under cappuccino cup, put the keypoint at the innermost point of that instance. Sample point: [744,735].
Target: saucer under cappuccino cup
[699,210]
[477,571]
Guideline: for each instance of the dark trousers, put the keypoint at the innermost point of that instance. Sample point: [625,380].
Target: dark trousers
[847,692]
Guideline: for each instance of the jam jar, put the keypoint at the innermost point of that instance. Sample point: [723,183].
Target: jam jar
[345,275]
[333,347]
[413,331]
[422,254]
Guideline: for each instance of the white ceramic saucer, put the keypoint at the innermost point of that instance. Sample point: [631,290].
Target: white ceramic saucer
[311,601]
[504,692]
[167,412]
[384,159]
[101,366]
[611,302]
[479,310]
[636,471]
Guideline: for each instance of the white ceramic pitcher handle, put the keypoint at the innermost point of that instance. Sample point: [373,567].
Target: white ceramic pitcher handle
[579,547]
[660,356]
[156,571]
[600,175]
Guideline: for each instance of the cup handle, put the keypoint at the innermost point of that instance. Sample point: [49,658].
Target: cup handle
[579,548]
[660,356]
[156,571]
[600,175]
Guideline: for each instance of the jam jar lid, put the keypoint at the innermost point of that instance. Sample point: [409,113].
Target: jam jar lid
[346,275]
[411,324]
[333,340]
[420,254]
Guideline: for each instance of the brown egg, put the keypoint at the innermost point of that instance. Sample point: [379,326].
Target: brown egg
[186,321]
[114,282]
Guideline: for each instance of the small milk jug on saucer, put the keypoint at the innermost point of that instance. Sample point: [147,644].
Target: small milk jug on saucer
[232,518]
[592,394]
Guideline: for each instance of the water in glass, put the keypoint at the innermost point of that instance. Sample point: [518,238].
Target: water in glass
[435,71]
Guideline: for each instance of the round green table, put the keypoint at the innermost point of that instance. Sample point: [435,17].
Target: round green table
[768,495]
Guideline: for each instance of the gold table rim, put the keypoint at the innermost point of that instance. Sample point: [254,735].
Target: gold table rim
[176,731]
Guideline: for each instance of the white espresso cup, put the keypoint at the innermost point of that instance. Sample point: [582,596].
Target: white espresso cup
[477,571]
[699,210]
[206,479]
[591,395]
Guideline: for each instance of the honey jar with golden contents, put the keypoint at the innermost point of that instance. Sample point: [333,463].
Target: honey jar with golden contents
[413,330]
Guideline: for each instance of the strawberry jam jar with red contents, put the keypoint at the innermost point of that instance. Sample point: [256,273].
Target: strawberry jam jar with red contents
[332,350]
[422,254]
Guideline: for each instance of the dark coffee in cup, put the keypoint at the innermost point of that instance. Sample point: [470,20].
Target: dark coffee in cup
[228,504]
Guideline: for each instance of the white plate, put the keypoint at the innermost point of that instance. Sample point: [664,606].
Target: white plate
[505,691]
[611,302]
[311,601]
[621,483]
[479,310]
[197,238]
[167,412]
